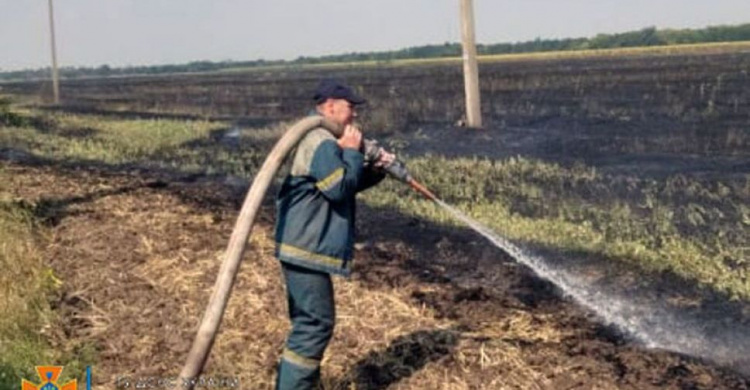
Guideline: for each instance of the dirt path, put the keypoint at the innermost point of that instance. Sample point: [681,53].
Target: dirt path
[427,307]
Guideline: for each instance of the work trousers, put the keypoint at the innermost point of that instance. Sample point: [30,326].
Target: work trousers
[312,312]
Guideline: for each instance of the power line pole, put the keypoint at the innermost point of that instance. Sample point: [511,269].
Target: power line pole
[55,76]
[471,71]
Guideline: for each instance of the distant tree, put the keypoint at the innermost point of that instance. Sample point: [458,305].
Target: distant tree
[649,36]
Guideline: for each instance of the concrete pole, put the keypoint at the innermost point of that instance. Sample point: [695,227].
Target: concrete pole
[55,76]
[471,71]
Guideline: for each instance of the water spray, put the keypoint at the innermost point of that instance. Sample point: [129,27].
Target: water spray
[396,169]
[652,324]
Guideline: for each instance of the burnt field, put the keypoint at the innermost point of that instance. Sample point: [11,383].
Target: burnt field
[691,103]
[628,174]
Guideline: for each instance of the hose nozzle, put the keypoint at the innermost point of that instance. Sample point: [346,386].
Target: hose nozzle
[396,169]
[422,189]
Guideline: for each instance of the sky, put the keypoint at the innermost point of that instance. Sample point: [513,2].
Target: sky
[149,32]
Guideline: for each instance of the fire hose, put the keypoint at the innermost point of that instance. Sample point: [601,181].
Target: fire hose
[214,313]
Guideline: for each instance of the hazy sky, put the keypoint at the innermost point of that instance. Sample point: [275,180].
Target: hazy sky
[143,32]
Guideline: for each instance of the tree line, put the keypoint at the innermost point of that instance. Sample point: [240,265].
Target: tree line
[650,36]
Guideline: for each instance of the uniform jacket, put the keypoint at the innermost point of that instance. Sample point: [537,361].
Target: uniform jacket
[316,204]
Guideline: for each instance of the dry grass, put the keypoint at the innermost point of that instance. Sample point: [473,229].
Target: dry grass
[256,324]
[144,263]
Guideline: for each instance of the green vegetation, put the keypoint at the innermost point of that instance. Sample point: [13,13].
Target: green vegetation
[27,286]
[172,144]
[641,38]
[25,283]
[697,230]
[7,116]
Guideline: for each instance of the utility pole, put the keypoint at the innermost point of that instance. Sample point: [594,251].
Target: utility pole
[471,71]
[55,76]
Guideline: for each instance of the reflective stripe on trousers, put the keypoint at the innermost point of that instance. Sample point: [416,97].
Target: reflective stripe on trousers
[312,312]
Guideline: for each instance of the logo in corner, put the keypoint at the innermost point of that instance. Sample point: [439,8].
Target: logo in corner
[49,376]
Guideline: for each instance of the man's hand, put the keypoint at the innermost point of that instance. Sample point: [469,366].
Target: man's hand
[351,139]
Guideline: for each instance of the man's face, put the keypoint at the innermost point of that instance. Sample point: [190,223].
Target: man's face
[339,111]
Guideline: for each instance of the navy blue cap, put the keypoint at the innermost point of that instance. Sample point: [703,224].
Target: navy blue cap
[335,89]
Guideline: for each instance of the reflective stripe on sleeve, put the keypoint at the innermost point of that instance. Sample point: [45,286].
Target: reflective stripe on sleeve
[331,181]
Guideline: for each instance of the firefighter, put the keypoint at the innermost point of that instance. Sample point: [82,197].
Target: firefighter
[315,228]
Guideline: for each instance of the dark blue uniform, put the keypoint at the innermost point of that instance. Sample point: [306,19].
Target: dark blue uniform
[315,238]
